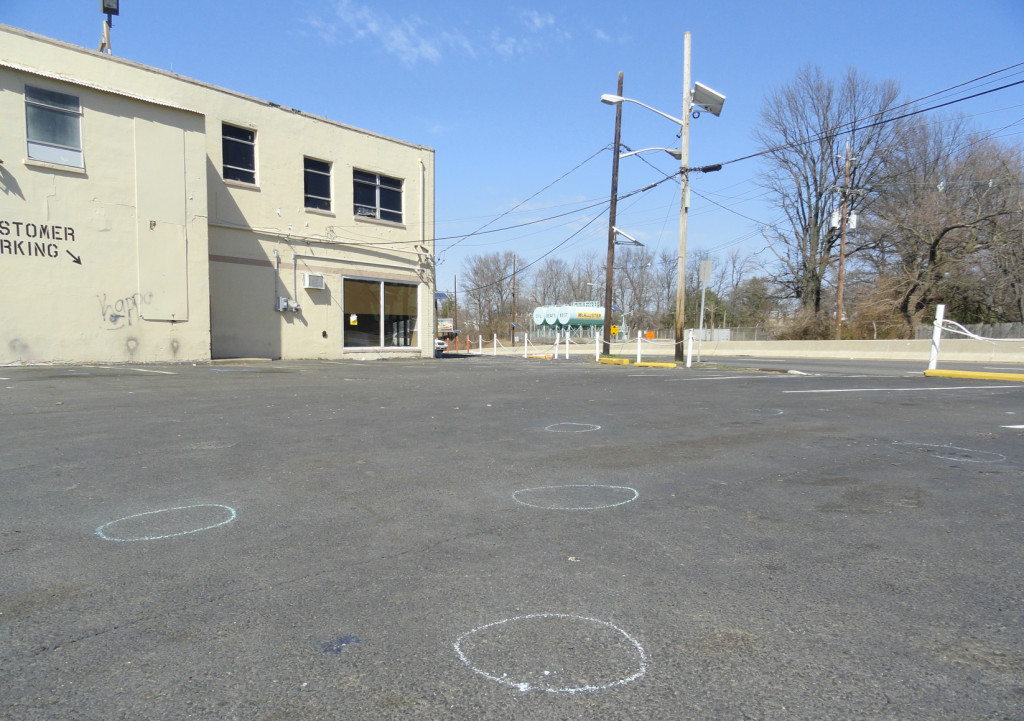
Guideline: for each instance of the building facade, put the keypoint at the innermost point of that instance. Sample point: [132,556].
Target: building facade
[149,217]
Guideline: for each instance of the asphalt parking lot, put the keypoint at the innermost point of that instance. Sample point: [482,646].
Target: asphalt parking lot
[503,538]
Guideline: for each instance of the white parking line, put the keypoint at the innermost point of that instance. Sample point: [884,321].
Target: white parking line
[900,390]
[751,376]
[717,378]
[146,370]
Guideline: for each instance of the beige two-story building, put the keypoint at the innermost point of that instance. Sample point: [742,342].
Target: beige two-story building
[145,216]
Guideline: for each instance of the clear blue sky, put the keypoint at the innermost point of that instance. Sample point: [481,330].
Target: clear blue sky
[508,93]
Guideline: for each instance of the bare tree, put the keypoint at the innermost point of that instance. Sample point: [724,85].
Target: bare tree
[665,278]
[634,274]
[490,282]
[551,282]
[733,272]
[586,271]
[805,128]
[953,199]
[1005,262]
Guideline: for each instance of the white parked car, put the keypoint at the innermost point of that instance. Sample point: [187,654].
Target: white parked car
[440,344]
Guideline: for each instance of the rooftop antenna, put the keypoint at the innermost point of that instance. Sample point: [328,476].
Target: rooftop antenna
[110,7]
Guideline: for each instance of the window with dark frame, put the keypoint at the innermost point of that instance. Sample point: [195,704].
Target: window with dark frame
[379,314]
[377,196]
[239,150]
[53,125]
[317,184]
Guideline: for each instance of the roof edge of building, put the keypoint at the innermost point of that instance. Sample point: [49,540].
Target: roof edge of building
[174,76]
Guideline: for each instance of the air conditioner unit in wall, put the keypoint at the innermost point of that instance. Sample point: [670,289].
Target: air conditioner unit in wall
[313,281]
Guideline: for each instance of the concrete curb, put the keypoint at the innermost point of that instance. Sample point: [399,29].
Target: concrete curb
[238,361]
[976,375]
[647,364]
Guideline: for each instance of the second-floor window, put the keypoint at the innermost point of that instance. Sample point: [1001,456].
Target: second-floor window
[239,150]
[377,196]
[317,184]
[53,124]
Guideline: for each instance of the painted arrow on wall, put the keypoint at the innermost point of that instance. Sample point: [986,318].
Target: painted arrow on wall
[74,257]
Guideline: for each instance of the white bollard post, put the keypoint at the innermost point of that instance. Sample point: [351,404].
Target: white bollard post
[526,345]
[638,346]
[567,346]
[940,313]
[558,339]
[495,344]
[597,348]
[689,347]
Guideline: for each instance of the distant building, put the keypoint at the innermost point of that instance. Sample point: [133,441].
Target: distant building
[145,216]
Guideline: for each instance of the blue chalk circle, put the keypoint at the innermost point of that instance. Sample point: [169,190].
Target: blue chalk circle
[338,645]
[133,526]
[952,453]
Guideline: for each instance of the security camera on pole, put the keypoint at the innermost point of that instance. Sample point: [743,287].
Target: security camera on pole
[703,98]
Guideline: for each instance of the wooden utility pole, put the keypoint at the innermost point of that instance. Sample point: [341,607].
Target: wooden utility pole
[609,271]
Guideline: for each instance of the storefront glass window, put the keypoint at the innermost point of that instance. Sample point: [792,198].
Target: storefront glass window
[364,323]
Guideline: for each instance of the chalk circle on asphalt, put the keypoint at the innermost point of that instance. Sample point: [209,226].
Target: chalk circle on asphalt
[558,653]
[572,428]
[952,453]
[167,523]
[578,497]
[763,412]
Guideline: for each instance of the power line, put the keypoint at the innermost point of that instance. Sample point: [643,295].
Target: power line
[726,208]
[536,260]
[518,205]
[573,235]
[850,124]
[854,123]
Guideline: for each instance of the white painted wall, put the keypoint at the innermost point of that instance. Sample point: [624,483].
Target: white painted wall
[176,262]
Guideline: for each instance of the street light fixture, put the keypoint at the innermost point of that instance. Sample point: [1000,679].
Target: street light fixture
[703,98]
[616,99]
[629,239]
[674,152]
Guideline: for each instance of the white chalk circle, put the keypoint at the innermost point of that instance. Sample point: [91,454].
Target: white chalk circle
[558,653]
[576,497]
[763,412]
[167,523]
[572,428]
[952,453]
